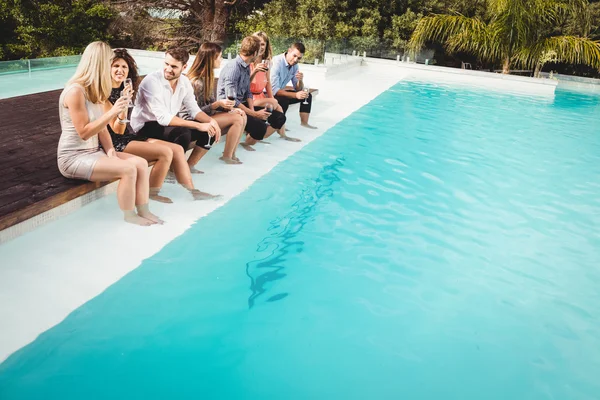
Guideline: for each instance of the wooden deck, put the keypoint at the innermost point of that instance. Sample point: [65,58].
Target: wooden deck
[30,182]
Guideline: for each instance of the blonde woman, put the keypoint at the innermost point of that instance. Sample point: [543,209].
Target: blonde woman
[83,122]
[260,80]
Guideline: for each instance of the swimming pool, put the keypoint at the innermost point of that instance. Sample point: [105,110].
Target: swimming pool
[438,243]
[43,79]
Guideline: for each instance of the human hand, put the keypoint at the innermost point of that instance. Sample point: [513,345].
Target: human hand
[111,153]
[299,75]
[263,67]
[262,114]
[301,95]
[226,104]
[120,106]
[238,111]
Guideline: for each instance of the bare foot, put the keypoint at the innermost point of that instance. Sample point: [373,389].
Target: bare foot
[200,195]
[291,139]
[133,218]
[230,160]
[235,158]
[247,147]
[193,170]
[151,217]
[160,199]
[308,126]
[263,142]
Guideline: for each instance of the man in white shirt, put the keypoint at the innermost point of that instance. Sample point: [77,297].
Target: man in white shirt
[161,96]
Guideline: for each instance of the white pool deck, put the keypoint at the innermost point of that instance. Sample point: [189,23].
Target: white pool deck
[49,272]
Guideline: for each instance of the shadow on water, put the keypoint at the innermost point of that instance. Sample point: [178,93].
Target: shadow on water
[282,241]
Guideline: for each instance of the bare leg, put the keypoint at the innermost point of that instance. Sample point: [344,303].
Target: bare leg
[195,157]
[115,168]
[234,124]
[154,150]
[304,120]
[270,131]
[248,143]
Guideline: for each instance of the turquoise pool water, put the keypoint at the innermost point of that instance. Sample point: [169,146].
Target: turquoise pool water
[439,243]
[23,83]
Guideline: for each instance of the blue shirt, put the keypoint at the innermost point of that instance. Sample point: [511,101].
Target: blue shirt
[235,74]
[282,73]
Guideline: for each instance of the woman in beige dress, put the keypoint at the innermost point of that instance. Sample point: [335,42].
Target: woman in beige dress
[83,122]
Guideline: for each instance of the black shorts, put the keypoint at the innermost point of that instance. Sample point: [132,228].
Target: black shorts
[176,134]
[257,128]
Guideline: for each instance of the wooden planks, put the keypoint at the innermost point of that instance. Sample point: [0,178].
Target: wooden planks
[30,182]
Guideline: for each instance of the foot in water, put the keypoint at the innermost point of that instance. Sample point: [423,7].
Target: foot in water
[247,147]
[193,170]
[200,195]
[132,218]
[157,197]
[309,126]
[144,212]
[291,139]
[231,160]
[263,142]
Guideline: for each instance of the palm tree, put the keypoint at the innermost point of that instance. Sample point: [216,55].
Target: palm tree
[515,32]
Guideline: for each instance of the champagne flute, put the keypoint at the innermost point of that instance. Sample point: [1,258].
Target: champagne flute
[125,94]
[129,82]
[269,109]
[307,91]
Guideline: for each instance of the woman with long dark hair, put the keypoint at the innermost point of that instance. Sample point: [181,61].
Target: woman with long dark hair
[231,120]
[165,154]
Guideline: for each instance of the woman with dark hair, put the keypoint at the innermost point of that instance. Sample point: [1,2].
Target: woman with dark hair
[165,154]
[231,120]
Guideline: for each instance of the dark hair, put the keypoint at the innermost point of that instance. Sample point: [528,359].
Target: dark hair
[250,46]
[133,74]
[180,54]
[299,46]
[268,50]
[203,67]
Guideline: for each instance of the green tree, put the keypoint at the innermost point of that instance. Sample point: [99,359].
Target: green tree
[8,26]
[48,28]
[513,33]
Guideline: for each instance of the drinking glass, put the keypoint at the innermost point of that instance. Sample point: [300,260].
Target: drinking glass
[307,90]
[269,109]
[266,64]
[129,82]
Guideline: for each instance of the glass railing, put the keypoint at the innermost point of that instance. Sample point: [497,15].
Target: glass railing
[336,50]
[38,64]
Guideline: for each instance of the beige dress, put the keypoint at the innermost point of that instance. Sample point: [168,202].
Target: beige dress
[77,157]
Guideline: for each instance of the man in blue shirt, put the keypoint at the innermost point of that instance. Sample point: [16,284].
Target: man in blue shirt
[234,81]
[284,70]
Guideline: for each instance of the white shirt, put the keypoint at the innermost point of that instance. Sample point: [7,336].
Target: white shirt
[156,101]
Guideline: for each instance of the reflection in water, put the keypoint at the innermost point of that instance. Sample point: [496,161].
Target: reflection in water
[284,230]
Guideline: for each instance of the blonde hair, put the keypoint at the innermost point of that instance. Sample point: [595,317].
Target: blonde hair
[93,72]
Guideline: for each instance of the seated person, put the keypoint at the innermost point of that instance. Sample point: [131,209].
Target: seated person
[162,95]
[260,80]
[285,69]
[83,121]
[165,154]
[201,75]
[234,83]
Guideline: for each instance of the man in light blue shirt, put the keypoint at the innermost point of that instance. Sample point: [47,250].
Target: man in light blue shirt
[284,70]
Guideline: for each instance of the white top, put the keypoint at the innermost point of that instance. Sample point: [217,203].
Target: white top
[156,101]
[69,138]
